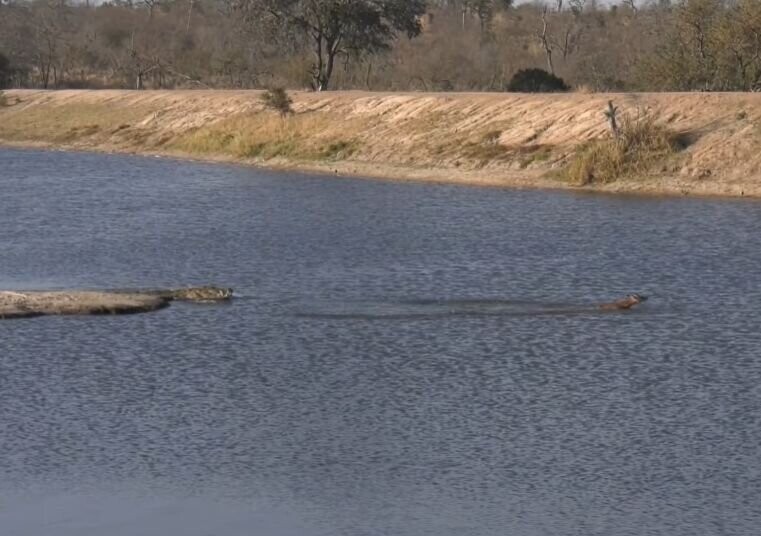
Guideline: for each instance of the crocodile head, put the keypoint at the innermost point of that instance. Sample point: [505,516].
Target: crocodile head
[202,294]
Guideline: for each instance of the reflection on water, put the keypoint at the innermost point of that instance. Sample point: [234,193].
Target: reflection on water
[390,368]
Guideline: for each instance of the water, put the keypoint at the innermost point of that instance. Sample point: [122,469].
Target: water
[404,359]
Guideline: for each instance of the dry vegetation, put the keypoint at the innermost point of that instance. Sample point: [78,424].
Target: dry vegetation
[641,147]
[463,45]
[264,136]
[401,46]
[278,99]
[678,143]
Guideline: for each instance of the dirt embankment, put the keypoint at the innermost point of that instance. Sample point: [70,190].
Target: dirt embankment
[488,139]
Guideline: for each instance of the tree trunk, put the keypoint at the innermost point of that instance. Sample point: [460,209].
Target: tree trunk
[45,73]
[328,69]
[190,13]
[546,43]
[610,113]
[317,71]
[325,65]
[369,73]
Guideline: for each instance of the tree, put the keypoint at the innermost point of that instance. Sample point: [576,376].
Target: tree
[340,27]
[631,5]
[5,70]
[484,9]
[713,45]
[737,38]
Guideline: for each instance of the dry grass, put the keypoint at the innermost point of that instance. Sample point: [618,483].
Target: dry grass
[66,124]
[3,99]
[640,146]
[538,154]
[484,152]
[487,149]
[258,135]
[584,89]
[495,139]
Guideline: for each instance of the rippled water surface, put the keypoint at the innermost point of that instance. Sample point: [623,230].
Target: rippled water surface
[402,360]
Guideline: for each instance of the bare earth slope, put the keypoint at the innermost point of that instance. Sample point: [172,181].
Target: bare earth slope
[489,139]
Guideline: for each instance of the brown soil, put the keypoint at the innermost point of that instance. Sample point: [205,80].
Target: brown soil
[514,140]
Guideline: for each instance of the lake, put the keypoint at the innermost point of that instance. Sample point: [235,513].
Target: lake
[401,359]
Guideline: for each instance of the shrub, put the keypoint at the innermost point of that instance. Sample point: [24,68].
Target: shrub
[536,81]
[3,99]
[278,99]
[338,150]
[639,146]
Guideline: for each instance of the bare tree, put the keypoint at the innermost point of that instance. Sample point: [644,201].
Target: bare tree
[569,39]
[141,64]
[151,5]
[546,42]
[340,27]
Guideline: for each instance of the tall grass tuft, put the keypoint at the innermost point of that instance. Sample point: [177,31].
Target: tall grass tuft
[3,100]
[640,145]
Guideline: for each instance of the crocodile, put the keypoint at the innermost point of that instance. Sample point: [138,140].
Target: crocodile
[624,303]
[194,294]
[23,304]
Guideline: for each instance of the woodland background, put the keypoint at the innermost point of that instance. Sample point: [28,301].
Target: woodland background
[449,45]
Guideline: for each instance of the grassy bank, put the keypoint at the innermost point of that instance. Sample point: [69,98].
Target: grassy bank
[694,143]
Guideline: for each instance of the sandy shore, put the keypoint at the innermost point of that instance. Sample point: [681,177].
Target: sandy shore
[511,140]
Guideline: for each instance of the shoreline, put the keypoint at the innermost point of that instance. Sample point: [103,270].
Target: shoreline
[400,177]
[338,134]
[348,170]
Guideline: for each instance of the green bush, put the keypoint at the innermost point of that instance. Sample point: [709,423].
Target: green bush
[536,81]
